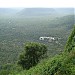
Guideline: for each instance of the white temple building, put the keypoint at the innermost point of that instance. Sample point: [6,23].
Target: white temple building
[50,39]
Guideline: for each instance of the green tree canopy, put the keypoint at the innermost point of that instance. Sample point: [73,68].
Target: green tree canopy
[32,54]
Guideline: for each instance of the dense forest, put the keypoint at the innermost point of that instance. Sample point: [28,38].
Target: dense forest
[19,27]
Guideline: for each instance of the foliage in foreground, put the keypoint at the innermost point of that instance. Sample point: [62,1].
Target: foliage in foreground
[59,65]
[32,54]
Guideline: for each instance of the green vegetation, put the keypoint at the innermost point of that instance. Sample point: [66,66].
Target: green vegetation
[32,54]
[63,64]
[10,69]
[71,41]
[15,31]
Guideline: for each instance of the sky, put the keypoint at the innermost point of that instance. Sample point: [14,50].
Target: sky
[37,3]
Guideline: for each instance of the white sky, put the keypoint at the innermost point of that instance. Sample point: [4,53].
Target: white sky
[37,3]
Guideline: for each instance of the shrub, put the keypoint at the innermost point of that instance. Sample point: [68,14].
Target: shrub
[33,52]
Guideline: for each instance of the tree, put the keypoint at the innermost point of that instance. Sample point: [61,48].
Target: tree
[70,43]
[32,54]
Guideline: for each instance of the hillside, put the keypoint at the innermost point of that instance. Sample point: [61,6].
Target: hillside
[63,64]
[14,32]
[19,26]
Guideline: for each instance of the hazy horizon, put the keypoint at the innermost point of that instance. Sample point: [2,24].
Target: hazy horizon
[36,3]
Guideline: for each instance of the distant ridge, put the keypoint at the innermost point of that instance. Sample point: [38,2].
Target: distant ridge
[46,11]
[8,11]
[65,10]
[37,11]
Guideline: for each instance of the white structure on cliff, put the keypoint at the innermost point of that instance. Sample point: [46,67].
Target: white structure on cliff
[50,39]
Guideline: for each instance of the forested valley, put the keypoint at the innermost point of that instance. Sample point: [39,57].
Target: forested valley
[47,35]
